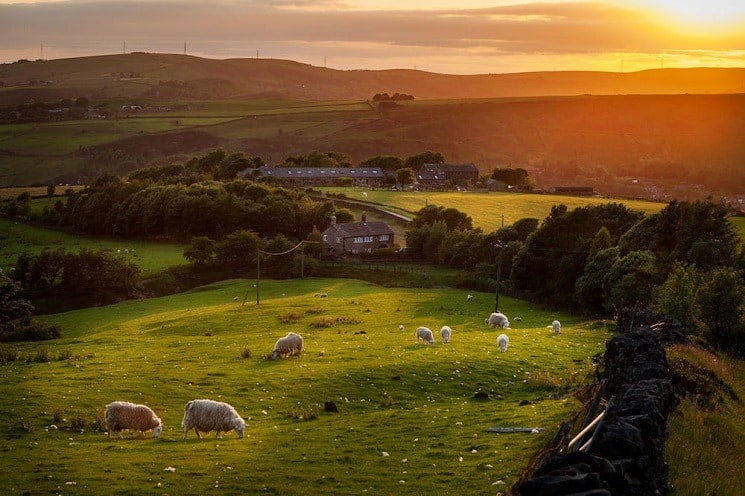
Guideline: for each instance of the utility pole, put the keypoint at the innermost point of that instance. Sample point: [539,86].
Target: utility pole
[499,246]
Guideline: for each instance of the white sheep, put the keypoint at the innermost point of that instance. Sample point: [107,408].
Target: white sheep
[125,415]
[364,195]
[289,345]
[498,319]
[445,333]
[556,326]
[469,297]
[425,335]
[503,341]
[401,327]
[208,415]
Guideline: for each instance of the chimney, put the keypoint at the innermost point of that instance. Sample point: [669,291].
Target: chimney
[333,220]
[364,219]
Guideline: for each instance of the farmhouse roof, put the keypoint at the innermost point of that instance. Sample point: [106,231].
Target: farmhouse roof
[320,172]
[356,229]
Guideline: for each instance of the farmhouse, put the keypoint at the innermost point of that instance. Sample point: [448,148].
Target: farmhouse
[321,176]
[356,237]
[438,175]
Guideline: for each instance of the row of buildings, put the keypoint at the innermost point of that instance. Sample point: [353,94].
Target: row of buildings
[429,176]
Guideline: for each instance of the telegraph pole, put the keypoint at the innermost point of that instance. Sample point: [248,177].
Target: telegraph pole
[499,246]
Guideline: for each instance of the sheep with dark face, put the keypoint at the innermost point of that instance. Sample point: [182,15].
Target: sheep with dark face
[503,341]
[445,333]
[208,415]
[497,319]
[121,415]
[425,334]
[289,345]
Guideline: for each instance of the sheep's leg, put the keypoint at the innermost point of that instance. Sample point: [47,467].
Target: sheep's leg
[199,436]
[219,435]
[186,432]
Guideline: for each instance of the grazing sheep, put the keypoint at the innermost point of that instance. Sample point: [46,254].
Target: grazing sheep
[425,335]
[503,341]
[208,415]
[125,415]
[498,319]
[445,333]
[401,327]
[364,195]
[469,297]
[556,326]
[518,319]
[289,345]
[323,295]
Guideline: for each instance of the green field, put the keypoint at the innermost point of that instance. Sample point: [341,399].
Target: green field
[489,211]
[17,237]
[407,422]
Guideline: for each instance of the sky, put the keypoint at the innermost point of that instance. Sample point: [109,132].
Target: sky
[444,36]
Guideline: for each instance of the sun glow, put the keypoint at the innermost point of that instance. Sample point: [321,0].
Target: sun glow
[711,16]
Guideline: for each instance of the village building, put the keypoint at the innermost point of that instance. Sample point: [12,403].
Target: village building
[434,176]
[320,176]
[356,237]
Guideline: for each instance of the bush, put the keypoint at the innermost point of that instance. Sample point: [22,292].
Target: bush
[30,330]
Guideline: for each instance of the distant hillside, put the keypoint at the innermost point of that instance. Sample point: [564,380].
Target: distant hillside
[169,76]
[651,134]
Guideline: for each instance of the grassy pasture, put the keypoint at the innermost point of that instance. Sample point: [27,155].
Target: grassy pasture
[487,209]
[705,446]
[17,237]
[407,421]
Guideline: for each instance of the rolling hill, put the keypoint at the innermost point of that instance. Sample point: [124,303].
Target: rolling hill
[672,133]
[144,74]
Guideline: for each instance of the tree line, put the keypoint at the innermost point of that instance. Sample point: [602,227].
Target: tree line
[685,261]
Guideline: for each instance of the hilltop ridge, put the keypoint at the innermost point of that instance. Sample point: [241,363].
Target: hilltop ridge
[144,75]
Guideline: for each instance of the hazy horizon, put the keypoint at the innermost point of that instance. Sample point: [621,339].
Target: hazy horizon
[466,37]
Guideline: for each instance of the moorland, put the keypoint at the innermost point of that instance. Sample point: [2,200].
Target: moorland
[668,133]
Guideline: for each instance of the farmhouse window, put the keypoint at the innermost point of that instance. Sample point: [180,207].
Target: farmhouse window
[383,237]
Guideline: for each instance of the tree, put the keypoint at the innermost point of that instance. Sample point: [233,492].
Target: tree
[387,163]
[344,215]
[50,190]
[589,290]
[201,251]
[677,296]
[721,303]
[416,161]
[554,256]
[405,176]
[12,306]
[238,250]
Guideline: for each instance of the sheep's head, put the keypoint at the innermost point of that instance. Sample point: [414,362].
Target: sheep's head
[274,355]
[157,430]
[240,427]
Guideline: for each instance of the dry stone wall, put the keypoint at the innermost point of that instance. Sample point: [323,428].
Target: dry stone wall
[623,453]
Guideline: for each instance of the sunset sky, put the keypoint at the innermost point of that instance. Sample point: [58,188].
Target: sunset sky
[455,37]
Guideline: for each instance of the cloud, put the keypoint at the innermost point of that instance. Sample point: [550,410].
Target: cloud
[295,29]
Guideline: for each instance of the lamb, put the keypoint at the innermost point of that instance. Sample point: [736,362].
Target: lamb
[208,415]
[125,415]
[425,335]
[503,341]
[289,345]
[556,326]
[445,333]
[498,319]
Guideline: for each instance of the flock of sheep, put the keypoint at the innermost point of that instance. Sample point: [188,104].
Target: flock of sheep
[208,415]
